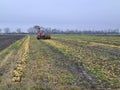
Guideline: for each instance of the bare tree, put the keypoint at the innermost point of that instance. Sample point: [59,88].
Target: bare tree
[18,30]
[7,30]
[31,30]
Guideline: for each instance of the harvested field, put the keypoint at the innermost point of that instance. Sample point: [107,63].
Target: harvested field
[6,40]
[66,62]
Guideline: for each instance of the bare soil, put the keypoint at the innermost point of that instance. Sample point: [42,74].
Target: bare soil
[6,40]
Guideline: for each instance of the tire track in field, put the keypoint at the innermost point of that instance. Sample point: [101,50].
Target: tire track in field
[113,55]
[8,63]
[6,59]
[82,75]
[42,71]
[6,54]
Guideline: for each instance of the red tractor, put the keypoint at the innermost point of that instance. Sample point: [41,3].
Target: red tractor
[42,35]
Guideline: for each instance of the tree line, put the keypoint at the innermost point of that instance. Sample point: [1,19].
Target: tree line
[32,30]
[8,31]
[57,31]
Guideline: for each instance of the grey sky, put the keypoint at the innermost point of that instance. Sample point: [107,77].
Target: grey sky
[75,14]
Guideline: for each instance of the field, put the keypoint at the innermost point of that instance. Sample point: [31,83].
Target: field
[6,40]
[66,62]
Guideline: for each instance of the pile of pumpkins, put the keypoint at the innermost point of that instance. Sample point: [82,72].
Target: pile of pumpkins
[18,70]
[17,73]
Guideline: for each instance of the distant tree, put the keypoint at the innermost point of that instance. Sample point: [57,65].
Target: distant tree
[18,30]
[31,30]
[48,30]
[0,30]
[7,30]
[13,32]
[54,31]
[116,31]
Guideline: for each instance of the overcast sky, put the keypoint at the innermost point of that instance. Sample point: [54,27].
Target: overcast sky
[72,14]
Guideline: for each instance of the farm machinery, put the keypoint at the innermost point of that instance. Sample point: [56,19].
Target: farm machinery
[43,34]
